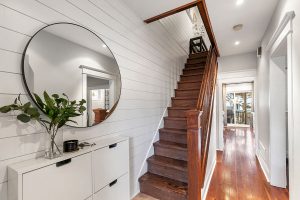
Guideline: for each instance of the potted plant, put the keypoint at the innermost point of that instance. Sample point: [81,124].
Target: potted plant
[56,112]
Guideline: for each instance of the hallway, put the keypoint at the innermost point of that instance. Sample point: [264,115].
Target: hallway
[237,175]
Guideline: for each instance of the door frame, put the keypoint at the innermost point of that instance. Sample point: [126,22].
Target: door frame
[285,32]
[227,78]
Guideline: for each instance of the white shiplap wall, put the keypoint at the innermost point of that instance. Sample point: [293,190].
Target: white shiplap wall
[150,63]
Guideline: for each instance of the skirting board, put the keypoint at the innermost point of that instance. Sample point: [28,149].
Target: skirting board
[263,166]
[206,185]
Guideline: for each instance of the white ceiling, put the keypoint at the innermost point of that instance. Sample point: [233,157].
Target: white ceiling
[80,36]
[254,14]
[224,14]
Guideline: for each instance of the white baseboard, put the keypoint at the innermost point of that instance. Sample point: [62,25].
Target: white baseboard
[263,165]
[207,182]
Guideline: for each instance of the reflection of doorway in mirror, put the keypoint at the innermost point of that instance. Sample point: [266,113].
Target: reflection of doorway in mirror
[98,96]
[102,90]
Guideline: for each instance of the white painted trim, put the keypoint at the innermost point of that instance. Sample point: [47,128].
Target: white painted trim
[285,31]
[207,183]
[289,16]
[263,165]
[291,131]
[234,77]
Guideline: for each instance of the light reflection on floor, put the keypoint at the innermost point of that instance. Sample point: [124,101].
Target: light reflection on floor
[238,175]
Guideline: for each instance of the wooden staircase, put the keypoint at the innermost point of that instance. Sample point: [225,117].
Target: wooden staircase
[167,176]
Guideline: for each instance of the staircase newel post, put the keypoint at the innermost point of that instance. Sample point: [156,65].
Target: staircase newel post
[194,154]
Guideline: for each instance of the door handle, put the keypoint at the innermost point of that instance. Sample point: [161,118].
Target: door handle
[113,183]
[112,145]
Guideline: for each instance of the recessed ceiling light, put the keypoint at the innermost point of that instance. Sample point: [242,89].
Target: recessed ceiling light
[104,46]
[236,43]
[239,2]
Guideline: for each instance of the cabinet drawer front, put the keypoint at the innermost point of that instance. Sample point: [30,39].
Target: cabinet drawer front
[110,163]
[116,191]
[70,180]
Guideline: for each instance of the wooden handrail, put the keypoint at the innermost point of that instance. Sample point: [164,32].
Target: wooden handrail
[199,123]
[171,12]
[201,4]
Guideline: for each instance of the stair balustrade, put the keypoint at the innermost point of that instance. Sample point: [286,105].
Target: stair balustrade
[199,128]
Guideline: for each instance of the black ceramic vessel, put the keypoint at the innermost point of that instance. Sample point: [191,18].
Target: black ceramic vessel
[70,145]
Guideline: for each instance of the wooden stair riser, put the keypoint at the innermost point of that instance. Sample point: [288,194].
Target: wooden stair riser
[193,66]
[192,71]
[160,193]
[169,172]
[191,77]
[184,102]
[173,137]
[198,55]
[178,154]
[196,61]
[177,112]
[187,93]
[176,124]
[189,85]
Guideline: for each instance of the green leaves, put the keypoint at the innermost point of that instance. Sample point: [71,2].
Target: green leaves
[5,109]
[57,109]
[24,118]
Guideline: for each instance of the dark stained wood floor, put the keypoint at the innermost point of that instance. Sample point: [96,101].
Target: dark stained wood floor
[238,175]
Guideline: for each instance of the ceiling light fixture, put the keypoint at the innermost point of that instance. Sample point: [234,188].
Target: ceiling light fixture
[237,43]
[238,27]
[239,2]
[104,46]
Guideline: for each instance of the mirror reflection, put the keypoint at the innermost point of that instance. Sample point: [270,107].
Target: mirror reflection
[67,58]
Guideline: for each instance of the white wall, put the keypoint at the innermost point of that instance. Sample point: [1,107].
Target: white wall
[240,62]
[263,89]
[149,61]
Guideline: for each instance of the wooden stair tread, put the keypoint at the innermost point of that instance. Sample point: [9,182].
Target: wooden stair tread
[184,98]
[180,108]
[190,81]
[174,131]
[187,89]
[196,74]
[193,68]
[168,162]
[199,55]
[164,183]
[171,145]
[191,65]
[175,118]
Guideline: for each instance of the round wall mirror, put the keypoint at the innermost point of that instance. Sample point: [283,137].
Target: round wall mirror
[70,59]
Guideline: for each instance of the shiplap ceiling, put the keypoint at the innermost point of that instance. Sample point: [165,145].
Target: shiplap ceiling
[180,27]
[150,8]
[254,14]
